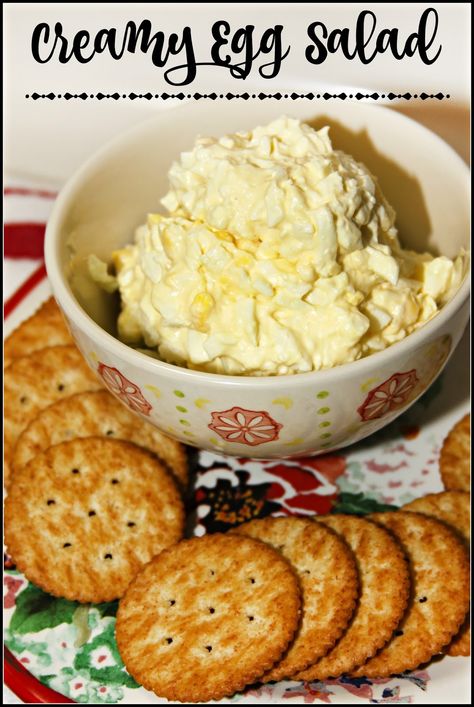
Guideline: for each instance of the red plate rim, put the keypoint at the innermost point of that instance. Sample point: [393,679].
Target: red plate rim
[30,283]
[25,686]
[15,676]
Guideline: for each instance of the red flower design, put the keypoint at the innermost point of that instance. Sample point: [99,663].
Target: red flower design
[124,389]
[13,585]
[308,494]
[301,480]
[331,466]
[249,427]
[388,396]
[312,503]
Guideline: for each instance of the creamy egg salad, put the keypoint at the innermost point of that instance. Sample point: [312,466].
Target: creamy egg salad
[279,255]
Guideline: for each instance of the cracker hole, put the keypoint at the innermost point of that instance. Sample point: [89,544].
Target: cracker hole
[23,399]
[169,640]
[422,600]
[107,556]
[212,573]
[75,471]
[60,387]
[250,618]
[306,572]
[92,513]
[131,524]
[209,649]
[398,633]
[50,502]
[252,580]
[67,545]
[172,602]
[109,433]
[212,610]
[114,481]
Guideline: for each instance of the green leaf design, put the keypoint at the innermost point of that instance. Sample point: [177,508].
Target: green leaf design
[359,504]
[65,673]
[36,610]
[37,648]
[92,692]
[110,674]
[107,608]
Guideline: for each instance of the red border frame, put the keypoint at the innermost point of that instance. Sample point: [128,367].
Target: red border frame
[15,676]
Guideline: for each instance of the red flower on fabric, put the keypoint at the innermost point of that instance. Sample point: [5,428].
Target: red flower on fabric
[124,389]
[249,427]
[388,396]
[308,492]
[331,466]
[13,585]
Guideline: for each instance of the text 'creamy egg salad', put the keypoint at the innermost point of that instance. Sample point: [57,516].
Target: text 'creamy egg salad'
[279,255]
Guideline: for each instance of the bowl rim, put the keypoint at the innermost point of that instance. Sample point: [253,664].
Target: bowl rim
[114,346]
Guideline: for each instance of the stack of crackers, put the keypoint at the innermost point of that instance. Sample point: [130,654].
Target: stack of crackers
[94,512]
[296,598]
[94,492]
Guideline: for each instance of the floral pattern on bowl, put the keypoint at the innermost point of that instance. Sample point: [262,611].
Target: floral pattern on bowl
[249,427]
[390,395]
[124,389]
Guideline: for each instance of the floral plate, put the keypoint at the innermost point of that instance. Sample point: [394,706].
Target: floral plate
[61,651]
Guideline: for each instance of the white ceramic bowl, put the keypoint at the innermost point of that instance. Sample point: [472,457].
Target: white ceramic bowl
[101,205]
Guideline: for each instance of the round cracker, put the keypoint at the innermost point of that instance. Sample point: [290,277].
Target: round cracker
[207,617]
[439,567]
[384,593]
[33,382]
[83,517]
[46,327]
[461,643]
[455,457]
[96,414]
[328,579]
[454,508]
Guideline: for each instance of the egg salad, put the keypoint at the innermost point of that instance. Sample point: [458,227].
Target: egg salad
[279,255]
